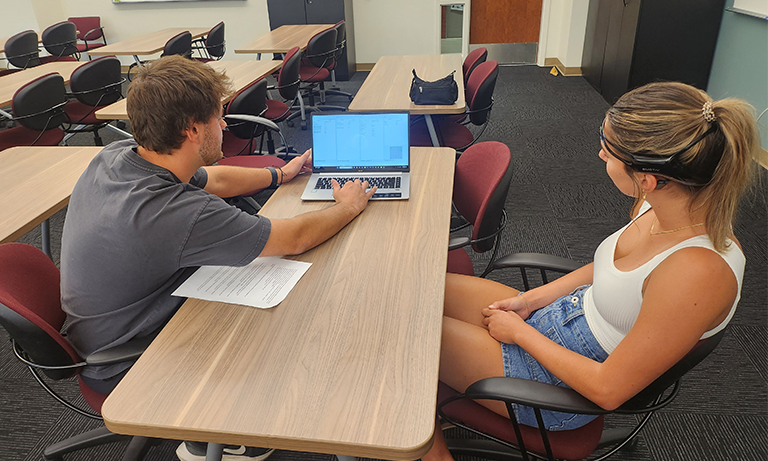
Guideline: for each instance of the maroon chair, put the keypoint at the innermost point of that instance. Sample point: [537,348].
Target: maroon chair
[505,438]
[288,83]
[315,68]
[30,311]
[89,30]
[473,59]
[450,132]
[38,107]
[21,50]
[60,41]
[341,44]
[94,85]
[480,188]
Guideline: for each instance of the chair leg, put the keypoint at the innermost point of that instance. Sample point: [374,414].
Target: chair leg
[97,139]
[88,439]
[137,448]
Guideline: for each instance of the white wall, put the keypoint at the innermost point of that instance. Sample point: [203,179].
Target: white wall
[567,24]
[395,27]
[17,16]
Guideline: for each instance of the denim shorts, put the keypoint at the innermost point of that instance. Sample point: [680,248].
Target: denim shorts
[563,322]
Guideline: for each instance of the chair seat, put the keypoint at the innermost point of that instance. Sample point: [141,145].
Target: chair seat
[47,59]
[313,74]
[449,133]
[20,136]
[8,71]
[92,398]
[82,47]
[459,262]
[232,145]
[277,111]
[575,444]
[82,114]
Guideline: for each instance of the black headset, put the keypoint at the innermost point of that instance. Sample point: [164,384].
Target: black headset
[670,165]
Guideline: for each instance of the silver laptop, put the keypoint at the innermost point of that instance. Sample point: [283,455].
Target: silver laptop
[367,146]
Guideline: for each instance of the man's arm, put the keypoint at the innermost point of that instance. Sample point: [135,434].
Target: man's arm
[230,181]
[304,232]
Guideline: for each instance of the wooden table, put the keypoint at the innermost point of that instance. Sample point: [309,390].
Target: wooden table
[37,182]
[282,39]
[10,83]
[347,364]
[388,85]
[146,44]
[242,73]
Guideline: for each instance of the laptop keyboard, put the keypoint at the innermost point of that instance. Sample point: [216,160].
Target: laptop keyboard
[381,182]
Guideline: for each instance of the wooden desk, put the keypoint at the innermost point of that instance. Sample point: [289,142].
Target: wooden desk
[282,39]
[37,182]
[242,73]
[347,364]
[146,44]
[388,85]
[10,83]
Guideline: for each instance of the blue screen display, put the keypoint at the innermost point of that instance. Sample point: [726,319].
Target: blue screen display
[360,141]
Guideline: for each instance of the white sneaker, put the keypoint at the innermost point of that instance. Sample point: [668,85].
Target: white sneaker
[195,451]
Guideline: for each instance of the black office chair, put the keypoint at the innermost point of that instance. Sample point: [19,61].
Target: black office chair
[60,40]
[21,50]
[213,46]
[93,85]
[316,62]
[38,107]
[180,44]
[30,311]
[341,44]
[288,83]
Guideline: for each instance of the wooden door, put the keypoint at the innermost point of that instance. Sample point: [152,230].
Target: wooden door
[504,21]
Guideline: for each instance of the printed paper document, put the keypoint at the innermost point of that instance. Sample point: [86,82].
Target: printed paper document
[263,283]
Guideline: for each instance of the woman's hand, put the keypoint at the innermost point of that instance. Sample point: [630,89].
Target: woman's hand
[300,164]
[518,305]
[502,325]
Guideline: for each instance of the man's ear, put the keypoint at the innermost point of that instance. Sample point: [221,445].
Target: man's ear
[193,132]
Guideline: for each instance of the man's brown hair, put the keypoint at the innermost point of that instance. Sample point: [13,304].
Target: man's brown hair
[168,95]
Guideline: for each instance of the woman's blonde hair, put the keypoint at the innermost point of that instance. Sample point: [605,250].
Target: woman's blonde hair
[663,118]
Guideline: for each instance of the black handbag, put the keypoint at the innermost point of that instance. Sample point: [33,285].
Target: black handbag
[440,92]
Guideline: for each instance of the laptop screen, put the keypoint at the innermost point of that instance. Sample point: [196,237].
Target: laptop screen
[360,142]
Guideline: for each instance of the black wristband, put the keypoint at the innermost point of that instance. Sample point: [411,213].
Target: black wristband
[273,172]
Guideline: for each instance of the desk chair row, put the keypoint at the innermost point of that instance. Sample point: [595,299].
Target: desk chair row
[46,112]
[64,41]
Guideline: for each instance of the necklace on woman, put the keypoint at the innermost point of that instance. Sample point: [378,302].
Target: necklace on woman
[672,230]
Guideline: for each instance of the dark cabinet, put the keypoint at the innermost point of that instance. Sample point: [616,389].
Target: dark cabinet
[282,12]
[629,43]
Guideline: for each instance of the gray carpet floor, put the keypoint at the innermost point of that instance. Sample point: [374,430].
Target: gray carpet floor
[560,202]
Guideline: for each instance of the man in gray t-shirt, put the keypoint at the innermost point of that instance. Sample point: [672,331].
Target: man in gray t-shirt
[146,213]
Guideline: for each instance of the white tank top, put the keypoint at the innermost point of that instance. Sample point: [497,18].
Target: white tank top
[612,303]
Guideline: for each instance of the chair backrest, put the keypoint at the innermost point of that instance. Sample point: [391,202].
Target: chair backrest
[699,352]
[481,183]
[341,39]
[288,80]
[98,82]
[480,88]
[473,59]
[30,307]
[39,105]
[251,100]
[180,44]
[321,48]
[86,24]
[21,50]
[215,43]
[60,39]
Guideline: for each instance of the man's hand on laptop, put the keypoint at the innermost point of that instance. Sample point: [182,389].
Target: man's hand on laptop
[300,164]
[353,194]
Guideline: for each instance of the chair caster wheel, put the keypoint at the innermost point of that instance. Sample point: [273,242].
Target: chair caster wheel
[121,124]
[290,123]
[304,125]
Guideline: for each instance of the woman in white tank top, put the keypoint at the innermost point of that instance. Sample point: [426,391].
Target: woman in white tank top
[669,278]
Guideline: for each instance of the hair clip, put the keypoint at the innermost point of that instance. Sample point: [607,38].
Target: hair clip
[707,112]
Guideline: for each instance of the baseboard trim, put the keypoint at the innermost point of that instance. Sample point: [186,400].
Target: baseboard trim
[566,71]
[364,66]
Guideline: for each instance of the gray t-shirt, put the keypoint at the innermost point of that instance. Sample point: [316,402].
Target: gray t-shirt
[133,233]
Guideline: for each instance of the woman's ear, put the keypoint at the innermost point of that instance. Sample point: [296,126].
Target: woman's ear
[648,182]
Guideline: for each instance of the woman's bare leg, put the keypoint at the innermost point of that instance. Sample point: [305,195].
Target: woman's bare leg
[466,297]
